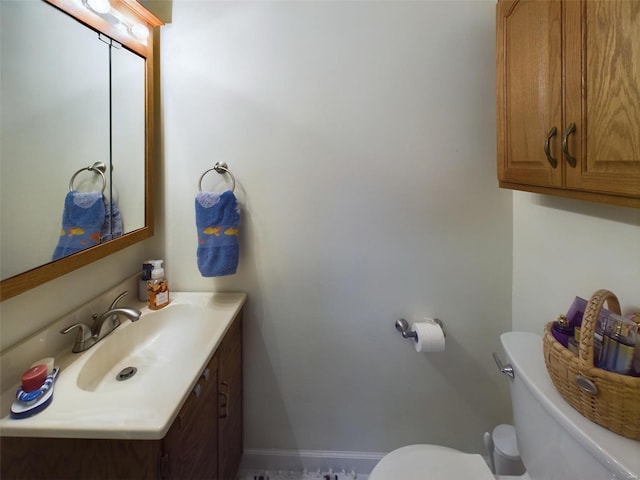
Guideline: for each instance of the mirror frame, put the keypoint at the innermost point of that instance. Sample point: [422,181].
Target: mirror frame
[133,10]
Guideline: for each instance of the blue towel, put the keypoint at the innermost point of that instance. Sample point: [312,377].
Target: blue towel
[217,222]
[82,220]
[112,227]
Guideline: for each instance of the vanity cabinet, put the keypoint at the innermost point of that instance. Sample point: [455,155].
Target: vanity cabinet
[230,403]
[194,449]
[568,98]
[190,448]
[203,442]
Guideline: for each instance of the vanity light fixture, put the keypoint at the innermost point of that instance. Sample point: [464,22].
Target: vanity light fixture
[135,30]
[103,9]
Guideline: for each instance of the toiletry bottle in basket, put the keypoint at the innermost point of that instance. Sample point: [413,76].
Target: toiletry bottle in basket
[618,345]
[561,330]
[598,336]
[574,342]
[635,364]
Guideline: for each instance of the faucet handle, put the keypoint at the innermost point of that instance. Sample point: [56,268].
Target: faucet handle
[83,329]
[84,334]
[118,298]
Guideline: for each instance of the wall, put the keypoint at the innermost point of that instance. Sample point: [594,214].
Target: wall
[566,248]
[362,137]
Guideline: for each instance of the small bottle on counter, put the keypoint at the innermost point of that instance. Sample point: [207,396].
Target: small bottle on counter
[157,287]
[145,276]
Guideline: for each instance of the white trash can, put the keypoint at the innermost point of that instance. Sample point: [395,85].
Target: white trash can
[506,457]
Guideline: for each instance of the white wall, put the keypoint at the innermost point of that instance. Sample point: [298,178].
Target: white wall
[362,137]
[566,248]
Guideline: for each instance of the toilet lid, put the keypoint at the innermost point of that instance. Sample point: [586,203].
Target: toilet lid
[418,462]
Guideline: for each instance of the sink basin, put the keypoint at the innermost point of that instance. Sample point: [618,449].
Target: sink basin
[149,345]
[169,349]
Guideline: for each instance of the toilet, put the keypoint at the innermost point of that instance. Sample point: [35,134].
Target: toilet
[555,442]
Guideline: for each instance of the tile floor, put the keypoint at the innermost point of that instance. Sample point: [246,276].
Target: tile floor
[291,475]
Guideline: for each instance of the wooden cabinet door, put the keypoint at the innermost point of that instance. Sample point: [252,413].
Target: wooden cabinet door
[190,447]
[230,406]
[603,95]
[27,458]
[529,91]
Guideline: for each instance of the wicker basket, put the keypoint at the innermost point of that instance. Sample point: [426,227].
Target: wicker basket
[606,398]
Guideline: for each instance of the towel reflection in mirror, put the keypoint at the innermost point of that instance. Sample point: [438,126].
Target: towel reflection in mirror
[87,220]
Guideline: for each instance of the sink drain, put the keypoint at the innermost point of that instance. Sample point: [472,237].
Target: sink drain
[126,373]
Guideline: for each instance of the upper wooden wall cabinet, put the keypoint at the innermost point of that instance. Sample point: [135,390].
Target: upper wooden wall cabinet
[568,98]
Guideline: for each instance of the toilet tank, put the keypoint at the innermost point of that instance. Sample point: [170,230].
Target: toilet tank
[554,440]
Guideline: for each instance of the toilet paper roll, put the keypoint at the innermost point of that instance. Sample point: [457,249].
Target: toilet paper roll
[430,336]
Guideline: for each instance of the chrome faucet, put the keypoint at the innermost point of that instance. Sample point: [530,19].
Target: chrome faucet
[102,325]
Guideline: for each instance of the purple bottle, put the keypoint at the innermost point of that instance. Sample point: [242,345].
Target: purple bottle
[561,330]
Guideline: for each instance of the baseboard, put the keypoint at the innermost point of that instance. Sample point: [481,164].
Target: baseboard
[309,460]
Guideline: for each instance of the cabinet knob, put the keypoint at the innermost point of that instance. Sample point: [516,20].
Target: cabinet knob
[565,146]
[552,161]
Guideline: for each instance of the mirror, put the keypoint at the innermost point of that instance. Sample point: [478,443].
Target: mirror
[76,94]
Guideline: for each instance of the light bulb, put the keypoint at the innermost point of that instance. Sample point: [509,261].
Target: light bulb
[99,6]
[139,31]
[122,28]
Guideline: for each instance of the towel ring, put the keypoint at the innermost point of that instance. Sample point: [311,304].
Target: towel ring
[98,167]
[221,168]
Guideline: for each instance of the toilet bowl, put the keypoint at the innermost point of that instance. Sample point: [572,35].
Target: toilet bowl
[554,441]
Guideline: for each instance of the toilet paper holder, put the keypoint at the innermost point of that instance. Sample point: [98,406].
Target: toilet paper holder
[403,327]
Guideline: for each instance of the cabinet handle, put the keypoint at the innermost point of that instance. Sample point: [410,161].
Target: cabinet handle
[552,161]
[565,146]
[225,399]
[197,390]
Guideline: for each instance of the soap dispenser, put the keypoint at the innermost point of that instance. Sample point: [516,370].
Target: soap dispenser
[157,287]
